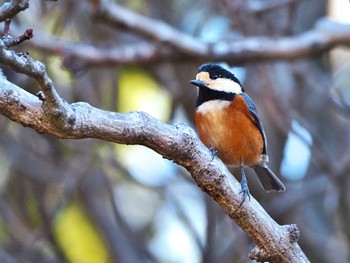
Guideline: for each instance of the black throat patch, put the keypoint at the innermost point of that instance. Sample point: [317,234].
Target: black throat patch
[206,94]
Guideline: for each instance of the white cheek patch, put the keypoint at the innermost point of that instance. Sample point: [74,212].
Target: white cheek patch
[220,84]
[226,85]
[212,106]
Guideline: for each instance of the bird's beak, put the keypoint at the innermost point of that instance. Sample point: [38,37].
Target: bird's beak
[198,83]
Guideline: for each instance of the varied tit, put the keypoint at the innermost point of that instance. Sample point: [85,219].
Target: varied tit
[228,124]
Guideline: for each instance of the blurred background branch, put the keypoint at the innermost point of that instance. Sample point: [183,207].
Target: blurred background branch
[295,63]
[172,45]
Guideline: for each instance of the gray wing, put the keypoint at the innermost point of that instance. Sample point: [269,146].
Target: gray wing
[266,177]
[257,122]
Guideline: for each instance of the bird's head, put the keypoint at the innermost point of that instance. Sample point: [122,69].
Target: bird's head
[215,77]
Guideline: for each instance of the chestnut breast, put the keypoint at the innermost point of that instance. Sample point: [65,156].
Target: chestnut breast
[229,127]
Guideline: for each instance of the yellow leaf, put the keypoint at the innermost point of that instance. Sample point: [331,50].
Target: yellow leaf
[139,91]
[78,238]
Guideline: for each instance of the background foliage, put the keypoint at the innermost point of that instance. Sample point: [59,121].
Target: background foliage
[92,201]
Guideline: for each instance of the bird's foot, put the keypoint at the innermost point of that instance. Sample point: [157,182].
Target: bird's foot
[245,193]
[214,153]
[245,189]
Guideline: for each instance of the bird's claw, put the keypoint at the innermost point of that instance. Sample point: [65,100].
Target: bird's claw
[214,153]
[245,193]
[245,189]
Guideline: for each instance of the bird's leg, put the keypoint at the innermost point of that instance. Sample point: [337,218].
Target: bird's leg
[214,153]
[244,186]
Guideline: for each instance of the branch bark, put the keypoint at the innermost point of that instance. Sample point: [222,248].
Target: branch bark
[50,114]
[179,143]
[12,8]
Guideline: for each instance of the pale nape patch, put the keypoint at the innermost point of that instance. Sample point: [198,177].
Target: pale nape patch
[212,106]
[220,84]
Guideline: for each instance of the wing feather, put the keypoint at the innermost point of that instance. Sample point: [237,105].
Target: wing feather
[254,113]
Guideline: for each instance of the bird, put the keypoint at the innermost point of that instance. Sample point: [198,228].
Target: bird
[227,123]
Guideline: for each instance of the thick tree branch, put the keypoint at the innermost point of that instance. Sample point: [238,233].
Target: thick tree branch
[178,143]
[326,35]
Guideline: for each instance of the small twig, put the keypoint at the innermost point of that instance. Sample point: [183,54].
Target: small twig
[7,27]
[14,41]
[11,41]
[55,107]
[12,8]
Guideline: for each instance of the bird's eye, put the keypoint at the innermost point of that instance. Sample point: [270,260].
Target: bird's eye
[215,76]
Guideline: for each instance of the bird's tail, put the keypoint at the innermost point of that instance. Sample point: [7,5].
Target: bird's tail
[268,179]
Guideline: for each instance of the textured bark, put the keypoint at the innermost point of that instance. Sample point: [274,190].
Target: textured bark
[178,143]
